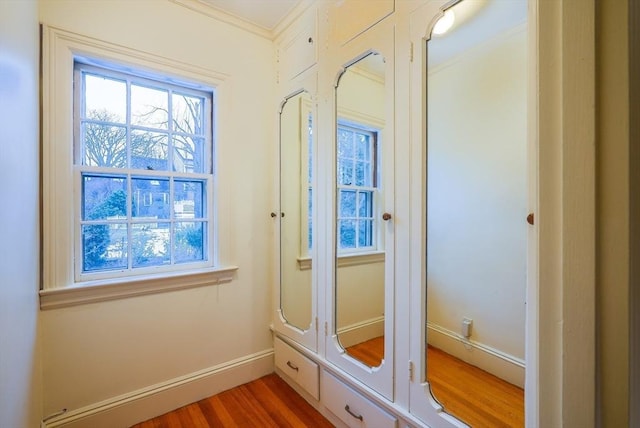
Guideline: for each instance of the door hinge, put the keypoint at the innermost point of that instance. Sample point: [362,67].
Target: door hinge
[410,371]
[411,52]
[316,324]
[326,328]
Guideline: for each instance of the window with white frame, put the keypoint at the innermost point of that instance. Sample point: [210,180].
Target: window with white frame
[357,187]
[143,162]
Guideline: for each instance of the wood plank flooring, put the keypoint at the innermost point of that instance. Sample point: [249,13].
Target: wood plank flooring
[265,402]
[473,395]
[469,393]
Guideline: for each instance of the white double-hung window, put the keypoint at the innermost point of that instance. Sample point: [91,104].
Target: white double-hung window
[143,165]
[128,173]
[357,188]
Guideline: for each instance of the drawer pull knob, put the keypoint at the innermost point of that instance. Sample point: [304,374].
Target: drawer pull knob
[359,417]
[293,366]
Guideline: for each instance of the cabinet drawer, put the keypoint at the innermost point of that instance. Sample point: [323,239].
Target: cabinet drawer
[354,409]
[298,367]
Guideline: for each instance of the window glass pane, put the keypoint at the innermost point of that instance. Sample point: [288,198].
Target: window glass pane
[361,171]
[310,218]
[363,151]
[310,147]
[345,172]
[188,155]
[104,247]
[365,204]
[188,199]
[345,143]
[103,198]
[187,114]
[347,203]
[104,145]
[150,244]
[105,99]
[150,198]
[149,107]
[189,241]
[365,233]
[347,231]
[149,150]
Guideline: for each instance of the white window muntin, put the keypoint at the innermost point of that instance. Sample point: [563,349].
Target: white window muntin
[371,189]
[205,177]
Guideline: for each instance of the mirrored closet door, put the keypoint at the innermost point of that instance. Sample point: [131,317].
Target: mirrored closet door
[361,340]
[474,72]
[296,292]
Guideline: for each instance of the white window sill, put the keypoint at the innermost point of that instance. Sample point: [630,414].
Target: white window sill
[103,290]
[305,263]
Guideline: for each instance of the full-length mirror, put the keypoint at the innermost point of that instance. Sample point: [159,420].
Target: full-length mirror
[476,210]
[296,160]
[360,222]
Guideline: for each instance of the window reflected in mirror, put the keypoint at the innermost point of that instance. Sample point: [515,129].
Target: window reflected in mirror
[360,253]
[296,224]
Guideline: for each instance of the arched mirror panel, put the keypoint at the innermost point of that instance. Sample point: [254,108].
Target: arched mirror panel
[295,218]
[476,202]
[360,238]
[361,340]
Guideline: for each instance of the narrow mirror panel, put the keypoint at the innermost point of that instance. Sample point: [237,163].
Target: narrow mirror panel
[477,210]
[360,247]
[296,225]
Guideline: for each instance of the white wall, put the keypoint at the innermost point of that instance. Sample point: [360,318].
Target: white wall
[20,370]
[478,193]
[98,351]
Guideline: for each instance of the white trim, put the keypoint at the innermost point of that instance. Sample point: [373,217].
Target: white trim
[118,288]
[145,403]
[59,49]
[362,331]
[356,259]
[505,366]
[244,24]
[222,16]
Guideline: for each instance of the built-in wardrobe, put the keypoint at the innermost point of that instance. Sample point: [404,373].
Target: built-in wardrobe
[375,227]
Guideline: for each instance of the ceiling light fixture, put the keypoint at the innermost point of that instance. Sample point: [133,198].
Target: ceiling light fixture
[445,23]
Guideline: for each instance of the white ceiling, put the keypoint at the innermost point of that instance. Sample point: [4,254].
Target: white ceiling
[264,13]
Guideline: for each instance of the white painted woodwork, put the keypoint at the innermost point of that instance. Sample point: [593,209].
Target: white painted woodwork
[352,408]
[379,39]
[299,272]
[298,49]
[299,368]
[20,344]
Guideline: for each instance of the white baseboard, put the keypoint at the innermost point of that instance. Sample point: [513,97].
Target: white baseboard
[361,332]
[496,362]
[137,406]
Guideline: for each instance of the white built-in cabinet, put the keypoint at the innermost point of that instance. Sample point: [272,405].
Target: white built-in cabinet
[351,87]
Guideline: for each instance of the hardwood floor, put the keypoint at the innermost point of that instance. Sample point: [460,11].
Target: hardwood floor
[265,402]
[469,393]
[474,396]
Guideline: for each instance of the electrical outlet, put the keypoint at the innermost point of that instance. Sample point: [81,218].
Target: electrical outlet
[466,327]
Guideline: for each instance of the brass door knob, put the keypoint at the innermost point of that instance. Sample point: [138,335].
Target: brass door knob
[386,216]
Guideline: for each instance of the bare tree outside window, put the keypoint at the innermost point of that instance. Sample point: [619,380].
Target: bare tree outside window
[142,146]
